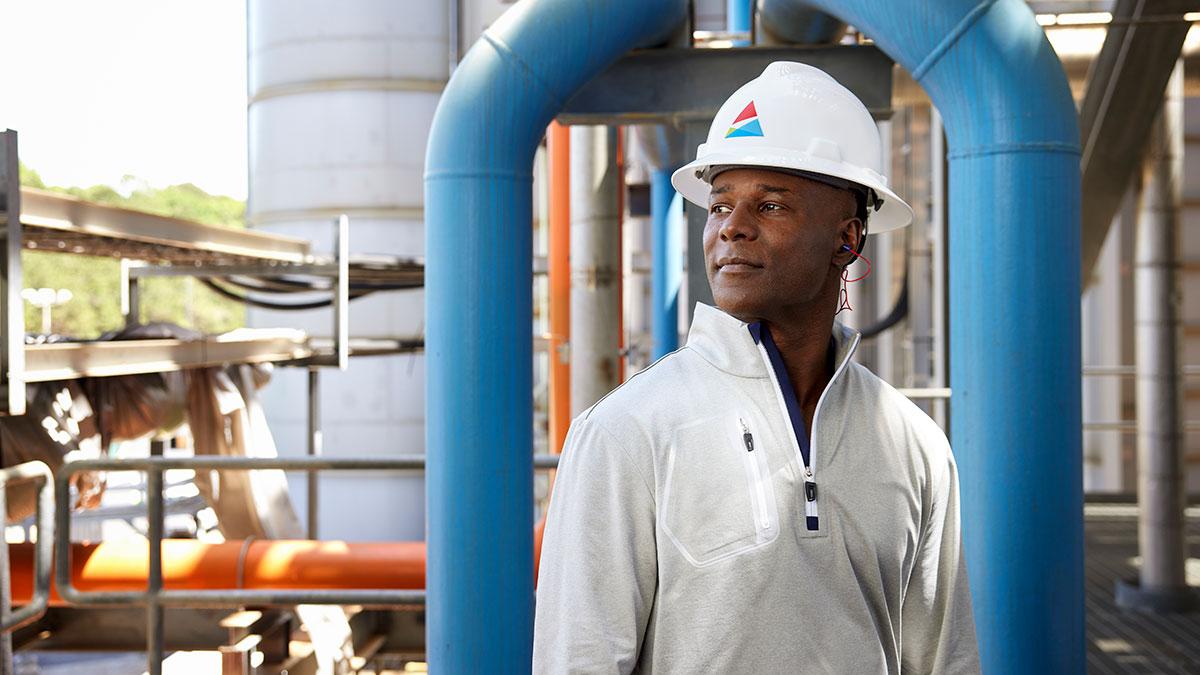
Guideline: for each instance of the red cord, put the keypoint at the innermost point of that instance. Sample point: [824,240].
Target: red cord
[844,296]
[864,276]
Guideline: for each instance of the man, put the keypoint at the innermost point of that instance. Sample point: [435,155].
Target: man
[696,524]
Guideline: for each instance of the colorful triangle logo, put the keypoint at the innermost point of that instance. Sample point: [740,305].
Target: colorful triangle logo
[746,123]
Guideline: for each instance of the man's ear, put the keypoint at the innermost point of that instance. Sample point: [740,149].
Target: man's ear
[850,233]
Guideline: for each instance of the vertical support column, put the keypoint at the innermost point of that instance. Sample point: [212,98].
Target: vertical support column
[937,245]
[595,265]
[154,533]
[1163,586]
[341,296]
[1102,312]
[881,287]
[12,345]
[558,147]
[920,297]
[131,306]
[667,269]
[6,647]
[314,450]
[12,311]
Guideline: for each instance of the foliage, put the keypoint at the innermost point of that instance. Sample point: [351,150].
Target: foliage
[95,282]
[29,177]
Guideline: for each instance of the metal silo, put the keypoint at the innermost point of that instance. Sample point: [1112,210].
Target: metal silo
[341,96]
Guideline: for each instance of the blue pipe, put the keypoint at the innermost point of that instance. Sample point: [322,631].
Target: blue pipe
[1014,312]
[667,266]
[797,23]
[479,314]
[738,15]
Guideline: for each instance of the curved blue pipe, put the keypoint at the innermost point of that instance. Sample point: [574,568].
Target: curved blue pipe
[797,23]
[1014,312]
[478,307]
[667,266]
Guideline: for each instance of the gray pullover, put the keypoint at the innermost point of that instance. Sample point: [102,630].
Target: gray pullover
[680,537]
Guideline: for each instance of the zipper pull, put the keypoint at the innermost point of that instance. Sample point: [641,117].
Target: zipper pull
[810,490]
[808,473]
[747,438]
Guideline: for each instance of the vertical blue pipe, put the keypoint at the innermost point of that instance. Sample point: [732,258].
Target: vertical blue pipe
[479,390]
[1014,310]
[737,18]
[667,264]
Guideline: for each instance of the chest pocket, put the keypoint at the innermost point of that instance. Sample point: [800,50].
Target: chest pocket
[719,501]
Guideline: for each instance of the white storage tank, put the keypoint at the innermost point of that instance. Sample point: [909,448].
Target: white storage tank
[341,96]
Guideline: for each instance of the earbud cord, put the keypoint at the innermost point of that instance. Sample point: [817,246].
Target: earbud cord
[844,296]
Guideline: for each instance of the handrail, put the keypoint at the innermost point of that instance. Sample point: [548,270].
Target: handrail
[155,598]
[373,597]
[43,551]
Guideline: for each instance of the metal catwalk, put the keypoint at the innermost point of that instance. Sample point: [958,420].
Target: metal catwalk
[1128,642]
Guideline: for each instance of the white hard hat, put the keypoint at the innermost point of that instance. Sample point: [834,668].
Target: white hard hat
[798,119]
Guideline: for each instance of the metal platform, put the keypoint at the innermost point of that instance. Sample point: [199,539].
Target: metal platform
[71,360]
[1119,641]
[62,223]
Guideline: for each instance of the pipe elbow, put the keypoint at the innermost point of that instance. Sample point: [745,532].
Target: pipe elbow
[796,22]
[986,64]
[521,72]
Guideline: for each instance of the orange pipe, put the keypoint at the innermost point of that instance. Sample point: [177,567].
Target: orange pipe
[269,565]
[558,147]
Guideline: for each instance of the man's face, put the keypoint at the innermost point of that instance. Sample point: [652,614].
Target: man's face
[773,242]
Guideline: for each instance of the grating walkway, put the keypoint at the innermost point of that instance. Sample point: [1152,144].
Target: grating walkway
[1128,642]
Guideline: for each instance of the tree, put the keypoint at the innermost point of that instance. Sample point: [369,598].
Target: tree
[95,281]
[29,177]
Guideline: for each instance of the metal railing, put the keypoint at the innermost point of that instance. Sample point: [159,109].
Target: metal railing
[155,597]
[43,550]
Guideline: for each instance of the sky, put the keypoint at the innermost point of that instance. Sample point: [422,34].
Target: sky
[98,90]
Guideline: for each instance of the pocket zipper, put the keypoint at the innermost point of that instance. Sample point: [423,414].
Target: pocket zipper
[761,498]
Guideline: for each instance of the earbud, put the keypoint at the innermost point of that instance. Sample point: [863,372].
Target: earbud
[846,247]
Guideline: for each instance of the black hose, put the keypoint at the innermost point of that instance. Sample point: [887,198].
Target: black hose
[285,285]
[900,308]
[899,311]
[267,304]
[272,285]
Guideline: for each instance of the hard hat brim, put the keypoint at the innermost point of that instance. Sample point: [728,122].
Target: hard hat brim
[893,214]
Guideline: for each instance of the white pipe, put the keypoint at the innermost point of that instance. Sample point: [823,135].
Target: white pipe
[937,247]
[1101,316]
[1159,403]
[921,299]
[595,265]
[882,288]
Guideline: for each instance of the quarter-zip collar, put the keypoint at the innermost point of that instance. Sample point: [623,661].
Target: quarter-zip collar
[747,350]
[726,343]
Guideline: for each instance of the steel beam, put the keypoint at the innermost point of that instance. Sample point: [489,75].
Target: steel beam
[81,222]
[676,85]
[12,308]
[1124,92]
[70,360]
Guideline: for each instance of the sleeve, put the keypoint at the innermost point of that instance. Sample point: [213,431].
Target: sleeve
[937,629]
[598,571]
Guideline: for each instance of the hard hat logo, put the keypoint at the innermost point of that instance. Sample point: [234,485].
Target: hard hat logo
[819,129]
[746,124]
